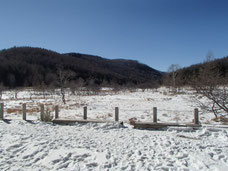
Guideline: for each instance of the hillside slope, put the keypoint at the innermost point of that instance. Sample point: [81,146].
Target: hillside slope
[27,66]
[217,68]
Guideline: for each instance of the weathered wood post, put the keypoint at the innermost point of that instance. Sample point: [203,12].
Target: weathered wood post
[155,115]
[196,116]
[1,111]
[24,111]
[85,113]
[42,112]
[116,114]
[56,112]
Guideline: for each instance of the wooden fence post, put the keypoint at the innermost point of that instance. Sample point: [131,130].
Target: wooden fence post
[24,111]
[155,115]
[1,111]
[56,112]
[116,114]
[42,112]
[85,113]
[196,116]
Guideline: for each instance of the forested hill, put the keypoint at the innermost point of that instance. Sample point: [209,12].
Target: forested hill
[214,71]
[30,67]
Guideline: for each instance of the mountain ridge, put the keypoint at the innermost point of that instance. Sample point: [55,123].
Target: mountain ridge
[29,66]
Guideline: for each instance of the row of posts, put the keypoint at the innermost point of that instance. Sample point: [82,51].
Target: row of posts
[196,113]
[56,112]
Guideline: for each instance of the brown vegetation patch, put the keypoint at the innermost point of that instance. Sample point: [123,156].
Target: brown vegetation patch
[132,121]
[28,110]
[32,110]
[221,119]
[13,111]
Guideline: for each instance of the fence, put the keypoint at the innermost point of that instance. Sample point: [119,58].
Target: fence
[85,114]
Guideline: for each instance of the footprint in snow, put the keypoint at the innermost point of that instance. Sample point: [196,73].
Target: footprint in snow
[14,146]
[92,164]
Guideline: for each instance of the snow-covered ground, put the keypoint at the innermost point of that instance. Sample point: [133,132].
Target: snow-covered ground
[110,146]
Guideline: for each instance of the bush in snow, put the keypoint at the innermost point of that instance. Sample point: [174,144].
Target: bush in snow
[47,116]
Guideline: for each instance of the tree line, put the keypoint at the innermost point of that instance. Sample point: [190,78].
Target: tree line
[34,67]
[188,76]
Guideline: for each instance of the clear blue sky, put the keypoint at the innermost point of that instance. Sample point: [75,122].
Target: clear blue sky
[155,32]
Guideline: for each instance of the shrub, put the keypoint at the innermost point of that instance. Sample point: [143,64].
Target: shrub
[47,116]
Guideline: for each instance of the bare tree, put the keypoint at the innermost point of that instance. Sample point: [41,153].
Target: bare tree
[1,90]
[211,85]
[76,86]
[209,56]
[64,77]
[41,89]
[173,70]
[16,91]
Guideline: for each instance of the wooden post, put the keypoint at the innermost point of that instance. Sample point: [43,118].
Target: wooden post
[42,112]
[1,111]
[116,114]
[85,113]
[56,112]
[24,111]
[196,116]
[155,115]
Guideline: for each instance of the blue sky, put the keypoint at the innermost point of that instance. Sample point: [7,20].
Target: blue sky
[155,32]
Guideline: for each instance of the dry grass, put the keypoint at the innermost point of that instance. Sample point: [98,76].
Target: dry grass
[28,110]
[221,119]
[48,117]
[132,121]
[32,110]
[9,111]
[224,120]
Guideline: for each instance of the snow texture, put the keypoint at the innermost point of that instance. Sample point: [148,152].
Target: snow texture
[111,146]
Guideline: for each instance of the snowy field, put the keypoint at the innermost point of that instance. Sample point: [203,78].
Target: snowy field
[44,146]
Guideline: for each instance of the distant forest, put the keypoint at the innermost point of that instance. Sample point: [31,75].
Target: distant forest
[34,67]
[211,71]
[37,67]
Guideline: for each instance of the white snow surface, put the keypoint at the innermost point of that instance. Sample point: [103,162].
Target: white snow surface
[110,146]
